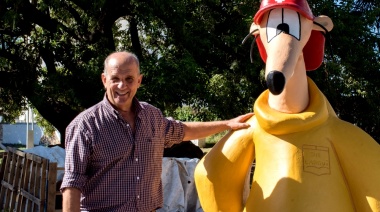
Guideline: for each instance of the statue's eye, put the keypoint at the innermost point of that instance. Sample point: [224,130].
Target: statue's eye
[283,20]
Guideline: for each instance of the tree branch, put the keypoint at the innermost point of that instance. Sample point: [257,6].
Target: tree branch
[48,58]
[135,37]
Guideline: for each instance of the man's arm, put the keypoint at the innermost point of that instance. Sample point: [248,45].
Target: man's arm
[71,200]
[196,130]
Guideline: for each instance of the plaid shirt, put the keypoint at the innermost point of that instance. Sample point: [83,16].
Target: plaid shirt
[114,169]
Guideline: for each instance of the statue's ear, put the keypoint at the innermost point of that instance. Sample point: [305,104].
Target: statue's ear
[254,30]
[324,21]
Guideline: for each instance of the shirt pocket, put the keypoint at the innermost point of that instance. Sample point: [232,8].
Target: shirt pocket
[111,149]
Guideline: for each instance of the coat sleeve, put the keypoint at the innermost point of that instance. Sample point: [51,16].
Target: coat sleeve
[359,156]
[220,175]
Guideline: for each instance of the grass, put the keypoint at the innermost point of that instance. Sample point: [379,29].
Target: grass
[17,146]
[212,140]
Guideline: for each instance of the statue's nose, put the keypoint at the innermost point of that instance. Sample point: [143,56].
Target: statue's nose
[275,82]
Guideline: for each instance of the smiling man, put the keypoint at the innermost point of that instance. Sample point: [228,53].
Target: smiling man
[114,149]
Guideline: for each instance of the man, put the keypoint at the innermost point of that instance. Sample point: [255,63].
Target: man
[114,149]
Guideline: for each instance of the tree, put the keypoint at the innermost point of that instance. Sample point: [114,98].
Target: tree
[52,54]
[350,78]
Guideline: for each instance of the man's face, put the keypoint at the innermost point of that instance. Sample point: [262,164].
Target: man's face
[121,81]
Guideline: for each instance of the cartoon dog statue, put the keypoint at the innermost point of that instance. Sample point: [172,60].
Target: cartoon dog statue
[307,159]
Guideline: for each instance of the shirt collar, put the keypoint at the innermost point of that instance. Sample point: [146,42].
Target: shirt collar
[135,102]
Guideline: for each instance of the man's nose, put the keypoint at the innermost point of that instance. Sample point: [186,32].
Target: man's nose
[122,84]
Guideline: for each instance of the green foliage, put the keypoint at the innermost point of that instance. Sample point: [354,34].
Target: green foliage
[189,113]
[11,106]
[48,128]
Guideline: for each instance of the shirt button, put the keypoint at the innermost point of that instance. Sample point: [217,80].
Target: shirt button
[137,159]
[138,178]
[138,196]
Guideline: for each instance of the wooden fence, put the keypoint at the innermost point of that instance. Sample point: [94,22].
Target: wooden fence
[28,182]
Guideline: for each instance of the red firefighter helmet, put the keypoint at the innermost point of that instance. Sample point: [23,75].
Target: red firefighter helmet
[314,48]
[300,6]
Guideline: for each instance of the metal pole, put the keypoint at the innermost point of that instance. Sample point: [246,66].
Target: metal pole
[27,126]
[30,141]
[32,116]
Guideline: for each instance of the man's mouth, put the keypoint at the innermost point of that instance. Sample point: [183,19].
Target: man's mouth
[122,94]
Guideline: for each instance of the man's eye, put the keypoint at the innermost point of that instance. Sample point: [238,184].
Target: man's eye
[115,80]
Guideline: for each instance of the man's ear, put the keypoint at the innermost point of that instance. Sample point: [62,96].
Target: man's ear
[254,29]
[324,21]
[139,80]
[104,79]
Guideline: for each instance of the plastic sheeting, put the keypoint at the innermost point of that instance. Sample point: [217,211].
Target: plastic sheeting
[55,154]
[178,184]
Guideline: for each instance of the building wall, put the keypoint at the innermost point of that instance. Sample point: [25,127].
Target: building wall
[1,133]
[16,133]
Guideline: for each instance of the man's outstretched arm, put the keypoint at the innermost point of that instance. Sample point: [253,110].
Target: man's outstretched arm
[196,130]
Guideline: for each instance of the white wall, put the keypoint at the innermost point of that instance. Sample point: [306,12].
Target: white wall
[16,133]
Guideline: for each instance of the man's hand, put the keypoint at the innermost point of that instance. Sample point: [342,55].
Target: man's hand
[239,122]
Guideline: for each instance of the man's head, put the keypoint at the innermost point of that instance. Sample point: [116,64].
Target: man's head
[121,79]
